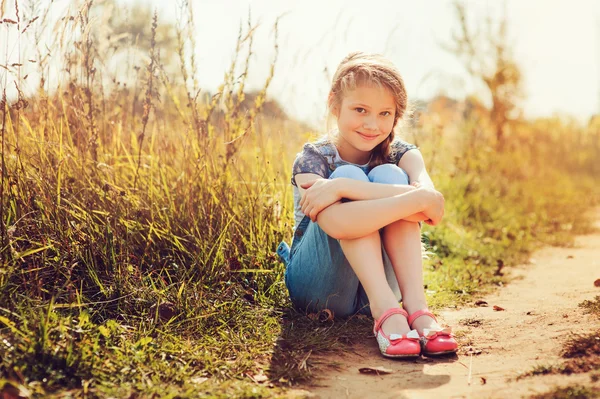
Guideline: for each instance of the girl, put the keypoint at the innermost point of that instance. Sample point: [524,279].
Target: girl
[359,196]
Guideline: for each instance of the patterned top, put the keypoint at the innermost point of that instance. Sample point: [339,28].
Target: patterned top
[322,158]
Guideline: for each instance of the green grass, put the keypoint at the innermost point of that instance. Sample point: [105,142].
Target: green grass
[580,353]
[542,369]
[592,307]
[569,392]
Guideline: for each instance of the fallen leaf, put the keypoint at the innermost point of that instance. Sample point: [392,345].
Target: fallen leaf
[483,380]
[481,303]
[597,283]
[9,391]
[322,316]
[325,315]
[498,308]
[375,370]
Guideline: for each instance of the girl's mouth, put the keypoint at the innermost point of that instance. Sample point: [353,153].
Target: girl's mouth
[364,136]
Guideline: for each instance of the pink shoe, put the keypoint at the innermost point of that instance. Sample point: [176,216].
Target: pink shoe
[435,341]
[396,345]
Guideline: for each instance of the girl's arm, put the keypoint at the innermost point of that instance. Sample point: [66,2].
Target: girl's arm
[413,164]
[325,192]
[361,191]
[356,219]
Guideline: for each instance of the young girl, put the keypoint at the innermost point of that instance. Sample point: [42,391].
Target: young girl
[359,195]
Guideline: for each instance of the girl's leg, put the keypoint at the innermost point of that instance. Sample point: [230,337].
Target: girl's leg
[319,275]
[364,255]
[402,243]
[327,273]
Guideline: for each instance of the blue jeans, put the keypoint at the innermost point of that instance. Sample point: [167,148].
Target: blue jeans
[318,275]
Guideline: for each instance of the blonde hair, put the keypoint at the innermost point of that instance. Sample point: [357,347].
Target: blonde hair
[358,69]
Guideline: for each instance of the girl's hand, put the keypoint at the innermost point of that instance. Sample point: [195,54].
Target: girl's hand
[415,184]
[319,195]
[435,205]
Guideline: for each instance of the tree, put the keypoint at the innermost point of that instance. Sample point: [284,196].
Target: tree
[487,55]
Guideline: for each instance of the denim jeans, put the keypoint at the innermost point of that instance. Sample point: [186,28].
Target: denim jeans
[318,275]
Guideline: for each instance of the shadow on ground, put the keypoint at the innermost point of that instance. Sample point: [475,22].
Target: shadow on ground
[315,351]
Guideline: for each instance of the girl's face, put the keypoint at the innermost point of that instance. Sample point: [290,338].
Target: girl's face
[365,118]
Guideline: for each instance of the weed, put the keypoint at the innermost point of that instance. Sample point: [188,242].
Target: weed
[592,307]
[569,392]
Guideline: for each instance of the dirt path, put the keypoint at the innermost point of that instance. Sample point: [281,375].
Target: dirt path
[541,310]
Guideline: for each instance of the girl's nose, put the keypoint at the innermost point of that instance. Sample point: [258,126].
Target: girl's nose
[370,124]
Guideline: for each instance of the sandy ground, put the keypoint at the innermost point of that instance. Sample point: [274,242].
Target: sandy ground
[541,310]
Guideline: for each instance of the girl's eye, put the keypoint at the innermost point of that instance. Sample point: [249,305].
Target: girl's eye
[359,110]
[386,113]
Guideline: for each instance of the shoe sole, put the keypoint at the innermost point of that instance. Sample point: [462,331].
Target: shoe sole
[440,353]
[401,356]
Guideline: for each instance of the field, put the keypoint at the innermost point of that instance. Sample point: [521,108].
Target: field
[140,222]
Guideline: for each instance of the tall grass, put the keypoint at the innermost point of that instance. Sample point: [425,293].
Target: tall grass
[139,225]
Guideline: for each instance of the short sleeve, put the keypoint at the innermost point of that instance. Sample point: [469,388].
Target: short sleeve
[309,160]
[398,149]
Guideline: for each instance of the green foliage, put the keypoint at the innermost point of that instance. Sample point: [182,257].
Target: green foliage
[568,392]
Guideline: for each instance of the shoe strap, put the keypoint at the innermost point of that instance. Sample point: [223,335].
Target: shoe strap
[419,313]
[433,333]
[386,315]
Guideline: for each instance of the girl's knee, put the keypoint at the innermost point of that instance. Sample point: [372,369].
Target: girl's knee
[350,172]
[388,174]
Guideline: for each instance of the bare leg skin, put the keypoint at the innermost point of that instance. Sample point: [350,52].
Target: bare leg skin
[364,255]
[402,242]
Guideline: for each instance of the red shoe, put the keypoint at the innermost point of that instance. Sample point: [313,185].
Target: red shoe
[396,345]
[435,341]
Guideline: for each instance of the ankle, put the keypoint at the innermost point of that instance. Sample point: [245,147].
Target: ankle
[412,307]
[378,309]
[424,322]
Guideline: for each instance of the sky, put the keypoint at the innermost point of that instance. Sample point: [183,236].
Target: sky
[556,43]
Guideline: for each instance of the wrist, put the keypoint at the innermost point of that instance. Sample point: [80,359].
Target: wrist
[424,198]
[341,187]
